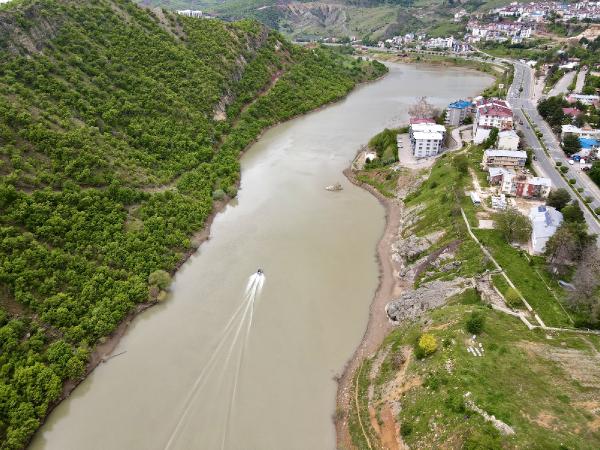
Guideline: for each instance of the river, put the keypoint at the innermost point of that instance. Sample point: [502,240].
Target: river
[317,249]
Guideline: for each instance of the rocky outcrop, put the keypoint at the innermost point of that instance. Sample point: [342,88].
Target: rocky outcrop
[429,296]
[42,26]
[315,14]
[502,427]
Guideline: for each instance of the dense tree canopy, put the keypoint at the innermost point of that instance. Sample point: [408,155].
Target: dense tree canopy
[558,198]
[117,127]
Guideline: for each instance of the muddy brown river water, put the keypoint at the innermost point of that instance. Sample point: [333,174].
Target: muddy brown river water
[173,386]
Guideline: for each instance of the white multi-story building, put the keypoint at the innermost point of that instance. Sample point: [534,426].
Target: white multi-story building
[426,144]
[427,139]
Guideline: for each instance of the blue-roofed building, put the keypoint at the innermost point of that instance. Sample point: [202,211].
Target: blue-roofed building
[457,112]
[588,143]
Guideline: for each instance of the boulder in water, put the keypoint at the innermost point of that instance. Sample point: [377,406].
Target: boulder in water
[334,187]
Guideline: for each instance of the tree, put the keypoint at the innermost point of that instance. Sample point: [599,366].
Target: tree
[513,225]
[561,247]
[159,278]
[587,281]
[573,213]
[571,144]
[475,322]
[461,163]
[558,198]
[551,110]
[594,172]
[492,138]
[423,110]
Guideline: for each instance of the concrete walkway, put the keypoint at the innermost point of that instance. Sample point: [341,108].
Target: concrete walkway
[456,136]
[562,85]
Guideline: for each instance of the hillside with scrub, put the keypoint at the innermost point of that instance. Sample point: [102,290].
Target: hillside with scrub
[487,349]
[120,133]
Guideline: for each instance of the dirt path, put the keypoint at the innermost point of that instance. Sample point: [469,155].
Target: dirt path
[378,326]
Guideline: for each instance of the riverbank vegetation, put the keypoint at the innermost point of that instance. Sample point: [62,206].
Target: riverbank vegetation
[119,128]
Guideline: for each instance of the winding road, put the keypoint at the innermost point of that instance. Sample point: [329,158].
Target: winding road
[520,96]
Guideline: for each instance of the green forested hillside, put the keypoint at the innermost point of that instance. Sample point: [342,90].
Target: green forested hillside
[119,127]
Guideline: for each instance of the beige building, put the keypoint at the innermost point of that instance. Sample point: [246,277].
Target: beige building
[504,158]
[508,140]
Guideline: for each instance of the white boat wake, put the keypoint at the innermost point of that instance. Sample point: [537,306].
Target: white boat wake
[238,341]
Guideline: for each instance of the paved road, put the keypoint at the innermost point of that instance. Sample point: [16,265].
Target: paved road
[580,81]
[562,85]
[519,96]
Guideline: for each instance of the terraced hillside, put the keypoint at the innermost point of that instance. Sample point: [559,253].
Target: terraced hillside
[120,129]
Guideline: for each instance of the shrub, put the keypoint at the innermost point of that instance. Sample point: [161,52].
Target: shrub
[406,429]
[558,163]
[426,346]
[579,189]
[159,278]
[588,199]
[455,403]
[475,322]
[597,211]
[219,194]
[564,169]
[231,191]
[572,181]
[512,297]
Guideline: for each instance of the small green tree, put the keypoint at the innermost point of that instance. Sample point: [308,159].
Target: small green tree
[461,163]
[512,297]
[573,213]
[571,144]
[558,198]
[492,138]
[219,194]
[159,278]
[475,322]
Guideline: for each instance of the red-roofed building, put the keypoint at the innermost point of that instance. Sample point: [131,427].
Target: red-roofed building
[416,120]
[571,112]
[492,113]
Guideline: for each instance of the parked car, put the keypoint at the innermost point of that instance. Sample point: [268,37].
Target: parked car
[586,168]
[571,162]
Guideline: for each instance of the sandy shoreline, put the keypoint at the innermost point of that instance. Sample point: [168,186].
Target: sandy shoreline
[378,325]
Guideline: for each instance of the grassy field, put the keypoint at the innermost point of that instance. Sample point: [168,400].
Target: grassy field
[530,277]
[543,386]
[384,179]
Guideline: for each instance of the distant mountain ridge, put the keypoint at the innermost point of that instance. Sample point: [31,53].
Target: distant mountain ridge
[373,19]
